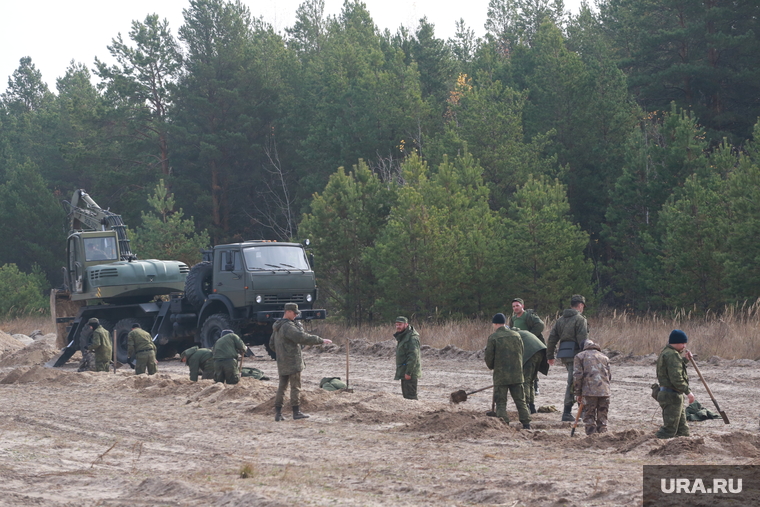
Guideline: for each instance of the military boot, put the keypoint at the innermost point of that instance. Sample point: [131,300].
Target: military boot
[567,415]
[297,414]
[278,414]
[526,426]
[532,407]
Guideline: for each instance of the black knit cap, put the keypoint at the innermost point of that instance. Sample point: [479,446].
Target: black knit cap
[677,336]
[499,318]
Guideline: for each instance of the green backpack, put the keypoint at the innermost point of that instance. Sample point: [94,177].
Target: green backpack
[253,372]
[332,384]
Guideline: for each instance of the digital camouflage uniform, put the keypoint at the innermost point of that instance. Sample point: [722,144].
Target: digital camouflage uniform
[528,321]
[141,347]
[592,376]
[534,360]
[504,355]
[226,351]
[286,340]
[408,361]
[674,384]
[199,361]
[572,326]
[100,344]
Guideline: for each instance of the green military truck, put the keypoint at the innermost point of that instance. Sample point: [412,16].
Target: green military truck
[240,286]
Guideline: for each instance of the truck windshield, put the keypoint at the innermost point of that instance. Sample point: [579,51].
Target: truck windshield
[275,257]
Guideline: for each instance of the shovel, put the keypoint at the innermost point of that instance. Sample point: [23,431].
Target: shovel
[461,395]
[722,413]
[578,416]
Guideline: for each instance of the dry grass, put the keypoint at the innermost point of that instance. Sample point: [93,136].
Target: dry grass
[733,334]
[27,324]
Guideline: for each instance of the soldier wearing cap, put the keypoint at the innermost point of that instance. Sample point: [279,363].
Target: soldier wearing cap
[592,377]
[140,347]
[226,351]
[527,320]
[408,364]
[199,361]
[286,340]
[504,355]
[674,384]
[100,345]
[566,338]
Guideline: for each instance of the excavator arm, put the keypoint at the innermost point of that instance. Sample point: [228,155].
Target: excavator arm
[85,214]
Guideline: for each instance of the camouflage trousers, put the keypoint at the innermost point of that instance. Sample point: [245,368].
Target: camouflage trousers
[673,415]
[88,361]
[569,364]
[594,413]
[409,388]
[226,370]
[518,395]
[102,365]
[530,373]
[295,390]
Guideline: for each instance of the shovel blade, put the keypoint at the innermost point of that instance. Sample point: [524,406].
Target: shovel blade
[724,416]
[459,396]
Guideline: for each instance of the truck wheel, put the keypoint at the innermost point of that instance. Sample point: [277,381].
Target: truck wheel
[122,328]
[212,329]
[198,283]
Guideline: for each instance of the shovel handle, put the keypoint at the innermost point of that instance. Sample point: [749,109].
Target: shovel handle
[481,389]
[707,388]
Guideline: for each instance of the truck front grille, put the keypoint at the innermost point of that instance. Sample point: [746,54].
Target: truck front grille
[283,298]
[97,274]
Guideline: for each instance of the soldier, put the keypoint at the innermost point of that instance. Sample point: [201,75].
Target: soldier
[141,348]
[674,383]
[408,364]
[534,360]
[100,344]
[592,376]
[226,350]
[527,320]
[286,340]
[199,361]
[504,355]
[569,331]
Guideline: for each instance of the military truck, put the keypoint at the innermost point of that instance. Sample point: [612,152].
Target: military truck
[240,286]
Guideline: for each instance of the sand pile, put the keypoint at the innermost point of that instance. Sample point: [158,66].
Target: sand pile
[9,344]
[39,352]
[459,425]
[31,374]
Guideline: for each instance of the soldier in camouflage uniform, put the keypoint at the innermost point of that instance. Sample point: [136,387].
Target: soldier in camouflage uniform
[199,361]
[287,338]
[592,377]
[226,351]
[534,360]
[141,347]
[568,333]
[100,345]
[674,384]
[504,355]
[408,363]
[527,320]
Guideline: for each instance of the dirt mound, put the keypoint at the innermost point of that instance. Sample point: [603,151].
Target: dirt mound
[457,425]
[741,443]
[680,445]
[451,352]
[8,344]
[39,352]
[32,374]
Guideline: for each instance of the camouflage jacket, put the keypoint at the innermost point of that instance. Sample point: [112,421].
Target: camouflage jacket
[591,372]
[528,321]
[139,340]
[286,340]
[572,326]
[532,346]
[504,355]
[408,354]
[228,347]
[197,360]
[100,343]
[671,370]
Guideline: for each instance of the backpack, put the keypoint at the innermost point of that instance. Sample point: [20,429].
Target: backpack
[332,384]
[253,372]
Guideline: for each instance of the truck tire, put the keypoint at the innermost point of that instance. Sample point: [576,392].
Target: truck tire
[213,327]
[122,328]
[198,283]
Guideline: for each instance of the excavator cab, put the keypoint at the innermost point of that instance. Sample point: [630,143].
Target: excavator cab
[87,249]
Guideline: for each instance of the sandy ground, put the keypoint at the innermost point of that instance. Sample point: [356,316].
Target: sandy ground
[109,439]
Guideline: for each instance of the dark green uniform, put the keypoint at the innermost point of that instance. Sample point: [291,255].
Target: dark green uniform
[287,338]
[571,327]
[528,321]
[226,350]
[504,355]
[408,361]
[199,361]
[534,360]
[674,383]
[141,347]
[100,344]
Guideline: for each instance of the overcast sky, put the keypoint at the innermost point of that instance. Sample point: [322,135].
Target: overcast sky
[53,32]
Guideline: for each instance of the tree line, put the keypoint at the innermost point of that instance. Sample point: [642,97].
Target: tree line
[611,152]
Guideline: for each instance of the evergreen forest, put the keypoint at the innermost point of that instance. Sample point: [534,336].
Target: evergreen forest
[614,152]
